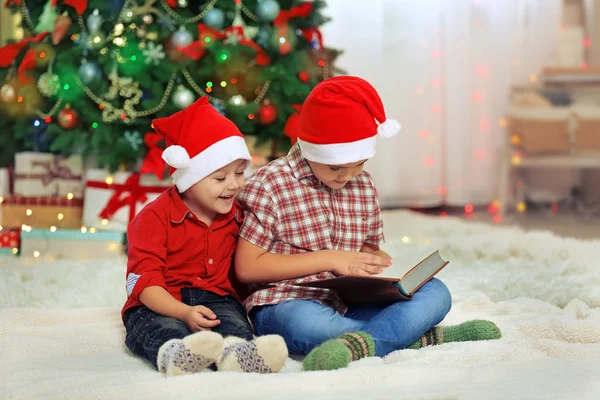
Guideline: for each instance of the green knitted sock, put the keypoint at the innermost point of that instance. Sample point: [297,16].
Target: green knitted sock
[465,332]
[338,353]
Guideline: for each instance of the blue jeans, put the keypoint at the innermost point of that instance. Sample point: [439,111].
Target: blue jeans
[147,330]
[305,324]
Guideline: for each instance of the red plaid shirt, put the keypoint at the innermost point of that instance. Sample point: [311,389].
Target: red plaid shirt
[288,211]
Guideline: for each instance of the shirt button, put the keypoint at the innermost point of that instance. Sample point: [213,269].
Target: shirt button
[210,261]
[190,215]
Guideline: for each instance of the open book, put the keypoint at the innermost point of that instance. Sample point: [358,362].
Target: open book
[397,282]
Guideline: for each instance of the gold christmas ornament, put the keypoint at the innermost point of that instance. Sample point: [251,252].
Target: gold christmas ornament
[48,84]
[8,93]
[147,19]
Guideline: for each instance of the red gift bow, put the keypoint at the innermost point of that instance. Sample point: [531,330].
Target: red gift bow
[79,5]
[293,124]
[127,194]
[153,162]
[283,19]
[27,64]
[9,52]
[196,50]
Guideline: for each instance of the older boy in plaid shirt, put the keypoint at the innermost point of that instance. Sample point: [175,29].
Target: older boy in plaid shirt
[314,214]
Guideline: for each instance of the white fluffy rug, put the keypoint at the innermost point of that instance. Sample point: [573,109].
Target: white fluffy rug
[61,334]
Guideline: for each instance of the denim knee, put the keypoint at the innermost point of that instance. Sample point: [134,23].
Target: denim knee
[441,294]
[303,323]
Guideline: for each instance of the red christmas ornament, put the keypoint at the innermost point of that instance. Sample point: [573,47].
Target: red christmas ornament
[67,118]
[267,114]
[304,76]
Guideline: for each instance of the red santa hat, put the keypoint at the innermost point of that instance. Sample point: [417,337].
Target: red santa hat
[199,142]
[340,121]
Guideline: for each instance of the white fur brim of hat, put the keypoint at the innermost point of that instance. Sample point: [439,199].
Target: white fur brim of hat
[345,153]
[190,171]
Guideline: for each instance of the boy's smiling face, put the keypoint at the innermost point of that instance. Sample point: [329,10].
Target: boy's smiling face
[216,193]
[336,176]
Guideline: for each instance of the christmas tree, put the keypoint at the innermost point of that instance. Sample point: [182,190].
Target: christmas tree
[90,75]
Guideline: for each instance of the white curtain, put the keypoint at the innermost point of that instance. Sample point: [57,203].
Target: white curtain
[443,69]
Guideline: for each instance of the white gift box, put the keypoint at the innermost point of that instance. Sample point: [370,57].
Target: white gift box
[44,174]
[4,187]
[121,194]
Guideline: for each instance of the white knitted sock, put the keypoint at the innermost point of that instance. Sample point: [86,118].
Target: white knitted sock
[191,354]
[266,354]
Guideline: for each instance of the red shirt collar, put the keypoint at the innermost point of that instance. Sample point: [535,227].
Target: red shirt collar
[178,211]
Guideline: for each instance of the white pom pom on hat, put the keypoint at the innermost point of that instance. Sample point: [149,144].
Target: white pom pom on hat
[389,128]
[176,156]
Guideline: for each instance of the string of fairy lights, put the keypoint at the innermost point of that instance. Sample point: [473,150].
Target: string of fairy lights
[127,113]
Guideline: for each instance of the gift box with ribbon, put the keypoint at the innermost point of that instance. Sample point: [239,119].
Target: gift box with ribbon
[41,212]
[112,200]
[73,244]
[45,174]
[10,241]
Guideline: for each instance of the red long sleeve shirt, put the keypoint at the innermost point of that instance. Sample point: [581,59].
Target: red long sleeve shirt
[169,247]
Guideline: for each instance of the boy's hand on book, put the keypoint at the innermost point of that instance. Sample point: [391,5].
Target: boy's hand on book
[200,318]
[349,263]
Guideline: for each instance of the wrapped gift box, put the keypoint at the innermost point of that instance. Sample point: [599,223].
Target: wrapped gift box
[112,200]
[10,241]
[44,174]
[74,244]
[5,183]
[42,212]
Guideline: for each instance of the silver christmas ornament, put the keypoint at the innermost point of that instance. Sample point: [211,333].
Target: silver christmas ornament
[267,10]
[181,38]
[94,22]
[89,72]
[183,97]
[215,18]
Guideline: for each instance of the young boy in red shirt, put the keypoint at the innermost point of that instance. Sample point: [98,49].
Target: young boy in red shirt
[182,313]
[314,214]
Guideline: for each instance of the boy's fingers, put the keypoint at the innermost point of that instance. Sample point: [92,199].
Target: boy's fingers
[371,270]
[376,260]
[209,324]
[207,312]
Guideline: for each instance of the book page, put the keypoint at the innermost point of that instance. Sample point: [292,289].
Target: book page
[403,261]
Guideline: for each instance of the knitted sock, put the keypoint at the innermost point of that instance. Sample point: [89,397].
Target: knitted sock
[467,331]
[265,355]
[339,352]
[191,354]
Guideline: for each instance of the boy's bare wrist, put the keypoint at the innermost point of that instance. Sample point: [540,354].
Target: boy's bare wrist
[326,258]
[181,311]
